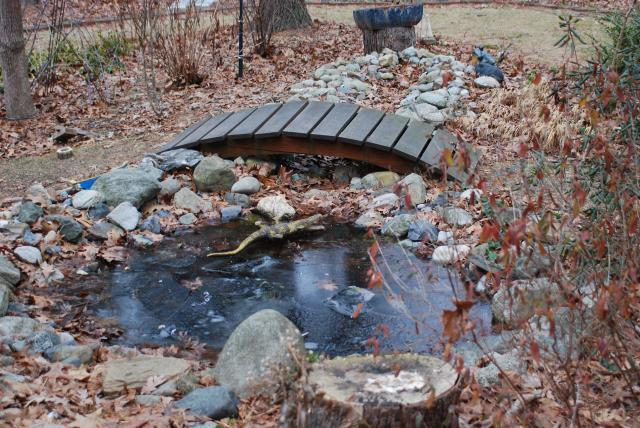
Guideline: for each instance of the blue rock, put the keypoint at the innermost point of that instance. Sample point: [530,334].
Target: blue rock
[230,213]
[152,224]
[215,402]
[237,199]
[31,238]
[99,211]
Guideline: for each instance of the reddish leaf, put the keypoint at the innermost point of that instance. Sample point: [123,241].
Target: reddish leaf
[358,311]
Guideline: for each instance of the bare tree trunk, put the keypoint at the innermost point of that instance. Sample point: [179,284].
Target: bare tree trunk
[291,15]
[17,91]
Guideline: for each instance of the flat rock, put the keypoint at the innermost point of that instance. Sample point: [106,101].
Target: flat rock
[103,229]
[376,180]
[246,185]
[398,226]
[188,200]
[133,373]
[347,301]
[230,213]
[8,271]
[449,254]
[433,98]
[28,254]
[86,199]
[316,193]
[169,187]
[486,82]
[370,219]
[20,326]
[29,212]
[215,402]
[249,361]
[455,216]
[125,216]
[237,199]
[133,185]
[187,219]
[386,199]
[172,160]
[13,231]
[213,175]
[72,354]
[275,207]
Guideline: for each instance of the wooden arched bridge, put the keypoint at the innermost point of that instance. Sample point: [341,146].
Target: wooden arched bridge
[321,128]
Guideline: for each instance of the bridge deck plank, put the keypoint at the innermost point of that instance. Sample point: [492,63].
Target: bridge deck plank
[414,140]
[254,121]
[194,139]
[304,122]
[220,132]
[335,121]
[387,132]
[276,123]
[361,126]
[175,143]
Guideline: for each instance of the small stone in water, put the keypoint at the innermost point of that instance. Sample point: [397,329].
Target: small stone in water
[230,213]
[347,301]
[187,219]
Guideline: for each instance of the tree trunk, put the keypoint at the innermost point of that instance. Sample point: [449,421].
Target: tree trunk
[394,38]
[291,14]
[17,91]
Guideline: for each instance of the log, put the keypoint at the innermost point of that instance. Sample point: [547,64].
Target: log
[395,38]
[405,390]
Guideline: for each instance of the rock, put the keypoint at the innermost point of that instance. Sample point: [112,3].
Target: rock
[237,199]
[449,254]
[103,229]
[148,400]
[38,192]
[249,360]
[433,98]
[133,373]
[13,231]
[435,117]
[423,110]
[141,241]
[398,226]
[422,230]
[215,402]
[386,199]
[486,82]
[8,271]
[416,188]
[72,354]
[516,304]
[70,229]
[86,199]
[152,224]
[509,362]
[410,112]
[347,300]
[316,193]
[213,175]
[445,237]
[388,60]
[133,185]
[409,52]
[409,244]
[169,187]
[20,326]
[187,219]
[506,216]
[29,212]
[5,295]
[230,213]
[125,215]
[246,185]
[188,200]
[99,211]
[172,160]
[28,254]
[343,174]
[31,239]
[454,216]
[430,76]
[370,219]
[379,179]
[468,194]
[42,341]
[386,76]
[275,207]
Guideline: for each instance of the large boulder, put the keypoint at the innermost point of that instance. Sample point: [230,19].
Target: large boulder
[256,351]
[133,185]
[213,175]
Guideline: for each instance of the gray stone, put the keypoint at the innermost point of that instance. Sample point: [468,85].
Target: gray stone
[188,200]
[172,160]
[41,342]
[379,179]
[449,254]
[132,185]
[316,193]
[454,216]
[430,77]
[409,244]
[421,230]
[8,271]
[141,241]
[246,185]
[101,210]
[169,187]
[38,192]
[369,219]
[509,362]
[72,354]
[257,351]
[424,109]
[230,213]
[28,254]
[486,82]
[410,112]
[29,212]
[213,175]
[125,216]
[275,207]
[5,295]
[148,400]
[435,117]
[387,76]
[349,299]
[356,183]
[70,229]
[102,230]
[237,199]
[215,402]
[516,304]
[398,226]
[31,239]
[152,224]
[134,372]
[20,326]
[416,188]
[13,231]
[386,199]
[434,99]
[187,219]
[86,199]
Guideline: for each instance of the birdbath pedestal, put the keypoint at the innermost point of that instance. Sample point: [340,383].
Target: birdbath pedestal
[388,27]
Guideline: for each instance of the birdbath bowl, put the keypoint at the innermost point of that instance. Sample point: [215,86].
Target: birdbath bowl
[388,27]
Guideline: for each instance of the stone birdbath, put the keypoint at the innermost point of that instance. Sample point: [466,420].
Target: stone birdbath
[388,27]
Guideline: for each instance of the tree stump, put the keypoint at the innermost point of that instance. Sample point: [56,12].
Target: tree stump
[406,390]
[395,38]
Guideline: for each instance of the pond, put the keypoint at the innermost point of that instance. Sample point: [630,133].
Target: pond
[175,288]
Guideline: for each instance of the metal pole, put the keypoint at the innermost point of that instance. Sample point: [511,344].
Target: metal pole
[240,49]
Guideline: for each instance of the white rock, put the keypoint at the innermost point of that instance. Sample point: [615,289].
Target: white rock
[384,200]
[466,195]
[276,207]
[448,254]
[125,215]
[86,199]
[445,237]
[246,185]
[28,254]
[486,82]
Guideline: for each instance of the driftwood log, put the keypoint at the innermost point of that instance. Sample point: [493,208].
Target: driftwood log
[406,390]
